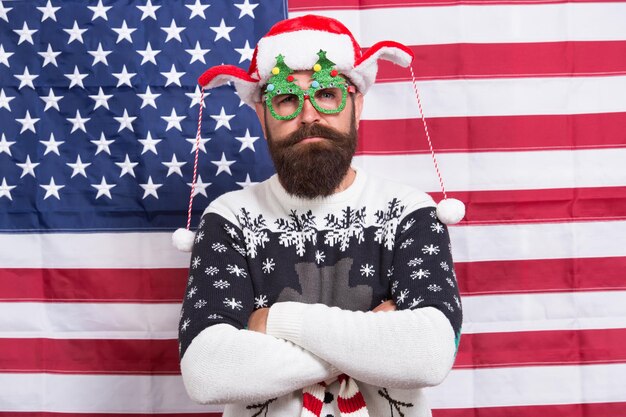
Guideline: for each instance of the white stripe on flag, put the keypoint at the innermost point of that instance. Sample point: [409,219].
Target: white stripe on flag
[481,171]
[539,241]
[484,23]
[54,393]
[482,314]
[493,97]
[523,386]
[470,243]
[135,394]
[548,311]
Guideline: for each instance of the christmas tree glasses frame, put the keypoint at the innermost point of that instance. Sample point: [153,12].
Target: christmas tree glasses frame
[327,93]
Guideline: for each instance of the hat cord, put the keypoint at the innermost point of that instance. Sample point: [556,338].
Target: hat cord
[430,145]
[195,162]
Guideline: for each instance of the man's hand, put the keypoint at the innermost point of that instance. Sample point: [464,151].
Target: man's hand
[388,305]
[258,320]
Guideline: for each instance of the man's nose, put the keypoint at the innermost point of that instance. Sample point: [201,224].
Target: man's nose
[309,114]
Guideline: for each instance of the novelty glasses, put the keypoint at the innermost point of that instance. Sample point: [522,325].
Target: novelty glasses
[327,99]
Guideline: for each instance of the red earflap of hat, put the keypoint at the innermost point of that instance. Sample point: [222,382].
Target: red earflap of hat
[221,74]
[388,50]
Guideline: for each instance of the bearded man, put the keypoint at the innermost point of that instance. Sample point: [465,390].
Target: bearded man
[323,291]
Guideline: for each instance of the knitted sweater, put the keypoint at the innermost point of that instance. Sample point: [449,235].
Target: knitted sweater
[321,266]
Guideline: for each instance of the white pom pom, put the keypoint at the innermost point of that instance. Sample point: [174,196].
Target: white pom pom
[183,239]
[450,211]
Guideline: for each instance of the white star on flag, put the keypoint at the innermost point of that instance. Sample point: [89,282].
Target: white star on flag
[4,11]
[76,33]
[247,182]
[99,55]
[196,96]
[197,54]
[124,33]
[49,57]
[51,100]
[173,120]
[5,189]
[28,167]
[150,188]
[149,144]
[76,78]
[127,166]
[99,11]
[103,188]
[173,31]
[148,10]
[101,99]
[200,187]
[5,146]
[247,141]
[125,121]
[222,31]
[201,144]
[197,9]
[103,144]
[51,145]
[148,54]
[223,165]
[123,78]
[28,123]
[148,98]
[26,34]
[52,189]
[173,76]
[246,52]
[4,56]
[48,11]
[26,79]
[78,122]
[78,168]
[5,100]
[222,119]
[174,166]
[246,8]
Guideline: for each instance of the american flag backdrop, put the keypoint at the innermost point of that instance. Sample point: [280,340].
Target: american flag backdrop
[526,106]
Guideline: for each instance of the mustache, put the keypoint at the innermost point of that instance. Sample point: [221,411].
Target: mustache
[310,131]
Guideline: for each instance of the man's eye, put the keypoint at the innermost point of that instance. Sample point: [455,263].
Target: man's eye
[286,100]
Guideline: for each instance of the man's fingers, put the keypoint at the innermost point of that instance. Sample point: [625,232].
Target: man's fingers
[388,305]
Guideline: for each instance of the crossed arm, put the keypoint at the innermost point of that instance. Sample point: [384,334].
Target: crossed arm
[402,349]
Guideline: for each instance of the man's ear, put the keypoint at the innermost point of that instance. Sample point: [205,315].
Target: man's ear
[260,109]
[358,107]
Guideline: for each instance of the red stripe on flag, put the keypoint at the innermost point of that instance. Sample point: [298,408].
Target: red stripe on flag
[492,133]
[319,5]
[539,59]
[545,275]
[475,278]
[90,356]
[58,414]
[160,357]
[560,410]
[115,285]
[540,206]
[562,347]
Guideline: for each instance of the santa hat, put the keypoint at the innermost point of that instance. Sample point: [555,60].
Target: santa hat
[299,40]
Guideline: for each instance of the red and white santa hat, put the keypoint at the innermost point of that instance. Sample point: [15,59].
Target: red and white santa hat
[299,40]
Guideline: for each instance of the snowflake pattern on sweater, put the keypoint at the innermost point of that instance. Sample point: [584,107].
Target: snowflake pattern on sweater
[378,246]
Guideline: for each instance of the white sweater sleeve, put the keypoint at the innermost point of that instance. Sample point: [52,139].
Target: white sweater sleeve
[398,349]
[226,365]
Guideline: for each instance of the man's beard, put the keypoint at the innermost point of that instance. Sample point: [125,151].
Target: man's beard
[313,169]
